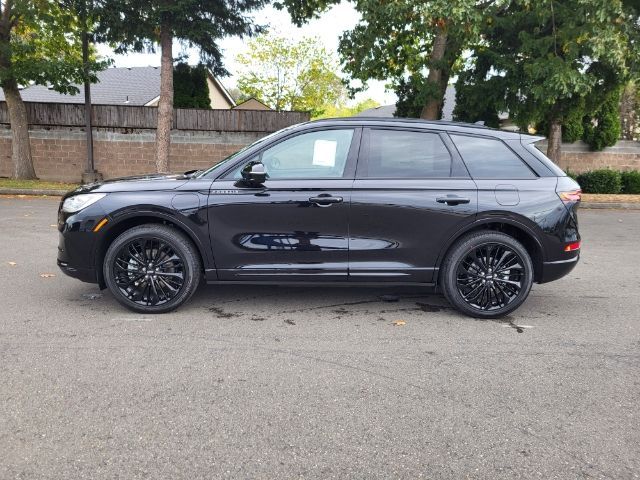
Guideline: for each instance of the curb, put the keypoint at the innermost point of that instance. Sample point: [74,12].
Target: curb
[35,192]
[610,205]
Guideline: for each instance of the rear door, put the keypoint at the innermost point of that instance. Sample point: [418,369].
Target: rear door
[411,193]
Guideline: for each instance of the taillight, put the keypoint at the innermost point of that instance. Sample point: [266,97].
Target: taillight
[570,196]
[572,247]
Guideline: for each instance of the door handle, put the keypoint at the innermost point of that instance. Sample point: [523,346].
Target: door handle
[325,200]
[452,200]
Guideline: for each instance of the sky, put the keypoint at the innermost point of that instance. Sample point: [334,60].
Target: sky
[327,28]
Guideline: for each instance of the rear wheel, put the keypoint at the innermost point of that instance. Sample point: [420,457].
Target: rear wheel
[152,268]
[487,274]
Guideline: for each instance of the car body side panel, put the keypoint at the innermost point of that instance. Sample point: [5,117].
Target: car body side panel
[276,232]
[397,226]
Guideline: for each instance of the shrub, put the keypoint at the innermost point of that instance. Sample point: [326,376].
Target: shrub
[631,182]
[605,131]
[571,174]
[600,181]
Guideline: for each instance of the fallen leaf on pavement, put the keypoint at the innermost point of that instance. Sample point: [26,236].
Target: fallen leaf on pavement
[13,264]
[399,323]
[47,275]
[53,225]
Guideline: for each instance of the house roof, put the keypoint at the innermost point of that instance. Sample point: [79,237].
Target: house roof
[115,86]
[137,86]
[250,101]
[223,91]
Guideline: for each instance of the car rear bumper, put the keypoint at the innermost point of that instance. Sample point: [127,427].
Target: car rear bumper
[554,270]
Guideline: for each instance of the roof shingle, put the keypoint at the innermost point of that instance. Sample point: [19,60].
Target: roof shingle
[115,86]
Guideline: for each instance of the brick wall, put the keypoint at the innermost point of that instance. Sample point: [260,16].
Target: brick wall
[60,154]
[576,157]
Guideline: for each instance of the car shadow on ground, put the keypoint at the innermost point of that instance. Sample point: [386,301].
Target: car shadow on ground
[286,304]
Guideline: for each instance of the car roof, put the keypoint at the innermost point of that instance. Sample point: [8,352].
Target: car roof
[460,127]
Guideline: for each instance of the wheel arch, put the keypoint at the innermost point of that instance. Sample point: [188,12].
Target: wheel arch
[516,229]
[134,220]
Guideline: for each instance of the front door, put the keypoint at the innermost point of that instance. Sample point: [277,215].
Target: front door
[412,192]
[295,225]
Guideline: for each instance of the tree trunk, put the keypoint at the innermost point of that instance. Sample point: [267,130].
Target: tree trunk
[433,107]
[165,104]
[20,146]
[628,107]
[554,149]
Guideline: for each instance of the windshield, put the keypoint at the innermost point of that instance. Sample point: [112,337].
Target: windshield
[226,161]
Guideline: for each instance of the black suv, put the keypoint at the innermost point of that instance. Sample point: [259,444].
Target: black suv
[479,213]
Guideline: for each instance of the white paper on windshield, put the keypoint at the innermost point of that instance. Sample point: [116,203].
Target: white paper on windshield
[324,153]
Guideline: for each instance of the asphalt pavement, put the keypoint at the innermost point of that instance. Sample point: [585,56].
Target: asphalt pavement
[275,382]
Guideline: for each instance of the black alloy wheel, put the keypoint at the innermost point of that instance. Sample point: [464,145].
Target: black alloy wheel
[148,271]
[152,268]
[487,274]
[490,276]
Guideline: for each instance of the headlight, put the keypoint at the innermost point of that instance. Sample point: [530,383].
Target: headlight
[80,201]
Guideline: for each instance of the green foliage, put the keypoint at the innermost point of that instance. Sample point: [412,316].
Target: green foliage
[411,95]
[134,25]
[603,130]
[286,75]
[553,57]
[571,174]
[600,181]
[397,41]
[42,45]
[479,97]
[190,89]
[573,124]
[342,110]
[631,182]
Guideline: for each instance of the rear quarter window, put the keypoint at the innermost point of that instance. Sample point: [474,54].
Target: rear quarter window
[488,158]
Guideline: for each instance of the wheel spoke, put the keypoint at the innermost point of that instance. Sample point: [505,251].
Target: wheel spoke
[148,271]
[489,277]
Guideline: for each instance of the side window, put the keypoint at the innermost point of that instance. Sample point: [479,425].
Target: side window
[405,154]
[488,158]
[321,154]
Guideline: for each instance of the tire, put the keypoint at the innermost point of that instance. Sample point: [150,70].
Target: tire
[152,268]
[476,289]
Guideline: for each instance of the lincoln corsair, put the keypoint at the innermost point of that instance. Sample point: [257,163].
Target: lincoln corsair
[479,214]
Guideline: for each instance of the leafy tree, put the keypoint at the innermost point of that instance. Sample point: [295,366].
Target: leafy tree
[139,25]
[630,110]
[554,60]
[603,130]
[190,86]
[337,111]
[288,75]
[39,44]
[237,95]
[479,96]
[415,45]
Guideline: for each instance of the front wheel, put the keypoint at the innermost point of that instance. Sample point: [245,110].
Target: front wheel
[487,275]
[152,268]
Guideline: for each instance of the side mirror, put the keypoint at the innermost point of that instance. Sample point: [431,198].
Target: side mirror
[254,173]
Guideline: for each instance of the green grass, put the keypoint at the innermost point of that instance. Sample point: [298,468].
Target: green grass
[35,184]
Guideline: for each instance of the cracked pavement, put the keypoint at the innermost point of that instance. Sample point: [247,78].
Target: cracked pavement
[275,382]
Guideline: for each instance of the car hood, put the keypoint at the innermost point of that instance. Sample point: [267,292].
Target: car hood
[137,183]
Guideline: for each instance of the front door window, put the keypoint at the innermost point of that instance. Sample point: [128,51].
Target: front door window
[309,156]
